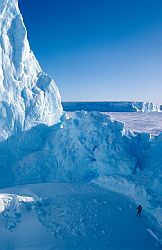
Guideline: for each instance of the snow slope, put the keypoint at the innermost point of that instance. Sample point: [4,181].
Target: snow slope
[75,217]
[28,96]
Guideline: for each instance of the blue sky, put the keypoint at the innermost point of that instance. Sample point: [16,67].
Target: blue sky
[98,49]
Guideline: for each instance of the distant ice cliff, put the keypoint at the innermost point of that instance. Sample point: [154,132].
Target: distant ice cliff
[112,106]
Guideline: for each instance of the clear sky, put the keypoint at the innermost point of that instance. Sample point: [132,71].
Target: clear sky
[98,49]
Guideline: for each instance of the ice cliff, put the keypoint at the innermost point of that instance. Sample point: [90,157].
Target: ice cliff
[146,107]
[28,96]
[76,150]
[112,106]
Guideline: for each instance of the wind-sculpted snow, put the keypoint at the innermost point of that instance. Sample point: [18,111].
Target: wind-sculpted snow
[27,95]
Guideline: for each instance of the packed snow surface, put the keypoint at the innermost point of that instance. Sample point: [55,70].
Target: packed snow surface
[75,217]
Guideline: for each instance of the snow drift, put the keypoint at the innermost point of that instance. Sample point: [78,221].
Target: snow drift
[27,95]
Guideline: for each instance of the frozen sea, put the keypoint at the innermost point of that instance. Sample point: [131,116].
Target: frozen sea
[140,122]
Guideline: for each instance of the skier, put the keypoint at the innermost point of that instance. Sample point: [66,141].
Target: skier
[139,210]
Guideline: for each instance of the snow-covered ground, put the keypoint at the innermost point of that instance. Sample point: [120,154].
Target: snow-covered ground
[72,216]
[140,122]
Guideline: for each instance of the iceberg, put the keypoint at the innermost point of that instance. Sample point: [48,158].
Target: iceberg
[28,96]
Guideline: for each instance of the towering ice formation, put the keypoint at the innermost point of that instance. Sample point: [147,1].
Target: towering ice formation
[28,96]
